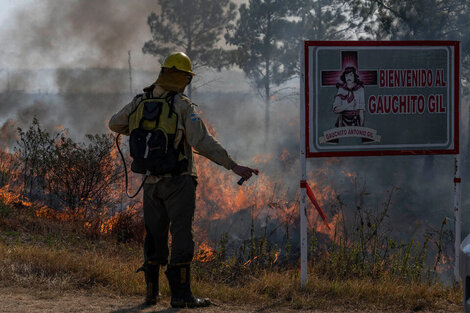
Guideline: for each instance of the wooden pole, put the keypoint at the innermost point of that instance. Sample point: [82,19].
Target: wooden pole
[130,71]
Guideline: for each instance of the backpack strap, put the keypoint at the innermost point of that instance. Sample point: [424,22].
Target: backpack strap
[148,95]
[170,99]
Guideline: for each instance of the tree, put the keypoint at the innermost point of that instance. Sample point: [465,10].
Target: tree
[324,19]
[267,46]
[34,146]
[192,26]
[411,20]
[76,175]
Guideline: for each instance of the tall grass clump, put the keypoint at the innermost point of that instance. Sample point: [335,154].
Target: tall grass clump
[363,246]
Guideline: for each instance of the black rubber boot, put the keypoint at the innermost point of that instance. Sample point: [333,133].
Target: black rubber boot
[151,271]
[179,279]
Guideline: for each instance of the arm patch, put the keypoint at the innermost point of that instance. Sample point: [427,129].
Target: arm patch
[194,117]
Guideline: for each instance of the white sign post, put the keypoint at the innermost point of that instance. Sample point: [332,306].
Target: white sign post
[303,178]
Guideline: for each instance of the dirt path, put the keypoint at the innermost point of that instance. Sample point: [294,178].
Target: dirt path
[16,300]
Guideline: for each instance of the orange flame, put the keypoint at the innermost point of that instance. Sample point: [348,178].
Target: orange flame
[204,253]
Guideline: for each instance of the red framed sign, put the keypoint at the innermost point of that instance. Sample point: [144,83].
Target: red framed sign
[365,98]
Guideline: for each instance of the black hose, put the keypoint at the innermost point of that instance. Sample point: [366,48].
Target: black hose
[125,171]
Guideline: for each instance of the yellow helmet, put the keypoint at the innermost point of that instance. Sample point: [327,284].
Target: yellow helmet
[180,61]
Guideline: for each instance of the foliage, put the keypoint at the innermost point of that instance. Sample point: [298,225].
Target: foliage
[324,20]
[422,19]
[72,174]
[362,247]
[267,49]
[34,146]
[82,174]
[191,26]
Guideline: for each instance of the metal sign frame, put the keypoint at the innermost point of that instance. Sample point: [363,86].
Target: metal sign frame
[362,44]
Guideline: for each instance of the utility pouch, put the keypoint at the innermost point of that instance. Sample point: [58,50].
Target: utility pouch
[150,152]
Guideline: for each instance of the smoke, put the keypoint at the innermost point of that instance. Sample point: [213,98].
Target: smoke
[73,33]
[8,134]
[48,48]
[425,194]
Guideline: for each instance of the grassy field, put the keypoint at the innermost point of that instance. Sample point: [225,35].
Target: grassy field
[44,254]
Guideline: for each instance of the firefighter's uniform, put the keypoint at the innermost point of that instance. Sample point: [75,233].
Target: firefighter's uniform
[169,201]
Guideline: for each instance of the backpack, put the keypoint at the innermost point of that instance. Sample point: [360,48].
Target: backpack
[152,127]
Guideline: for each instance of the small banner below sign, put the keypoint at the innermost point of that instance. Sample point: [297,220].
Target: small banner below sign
[369,134]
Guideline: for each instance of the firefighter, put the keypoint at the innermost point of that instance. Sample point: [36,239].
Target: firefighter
[169,199]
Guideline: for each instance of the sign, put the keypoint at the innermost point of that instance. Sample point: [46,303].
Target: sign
[381,98]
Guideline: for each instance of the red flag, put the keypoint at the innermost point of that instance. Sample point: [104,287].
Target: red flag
[304,184]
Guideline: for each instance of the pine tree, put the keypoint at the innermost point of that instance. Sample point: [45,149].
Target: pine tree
[267,46]
[413,20]
[192,26]
[324,20]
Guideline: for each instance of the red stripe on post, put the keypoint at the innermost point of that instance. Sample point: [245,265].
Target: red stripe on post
[457,180]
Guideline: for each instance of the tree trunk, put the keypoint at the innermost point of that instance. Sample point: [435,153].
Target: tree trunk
[267,91]
[189,54]
[267,102]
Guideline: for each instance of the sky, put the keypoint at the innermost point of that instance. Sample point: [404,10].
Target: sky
[70,33]
[78,34]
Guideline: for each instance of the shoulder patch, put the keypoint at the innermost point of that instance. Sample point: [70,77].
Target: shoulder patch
[194,117]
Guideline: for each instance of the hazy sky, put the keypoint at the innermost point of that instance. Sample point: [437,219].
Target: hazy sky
[75,33]
[72,33]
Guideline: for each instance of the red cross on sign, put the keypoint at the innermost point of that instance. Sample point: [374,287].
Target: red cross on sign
[348,59]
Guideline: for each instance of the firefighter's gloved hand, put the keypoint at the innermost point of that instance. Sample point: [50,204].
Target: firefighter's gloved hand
[244,172]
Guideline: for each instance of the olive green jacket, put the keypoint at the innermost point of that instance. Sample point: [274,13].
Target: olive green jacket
[189,124]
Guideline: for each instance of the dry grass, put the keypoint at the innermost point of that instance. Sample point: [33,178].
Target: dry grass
[284,288]
[41,266]
[38,253]
[112,269]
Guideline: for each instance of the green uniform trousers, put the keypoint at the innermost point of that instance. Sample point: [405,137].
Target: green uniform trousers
[169,204]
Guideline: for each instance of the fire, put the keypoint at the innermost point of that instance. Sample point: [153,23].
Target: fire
[204,253]
[218,197]
[250,261]
[262,158]
[276,256]
[285,154]
[350,175]
[332,222]
[444,264]
[443,259]
[9,197]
